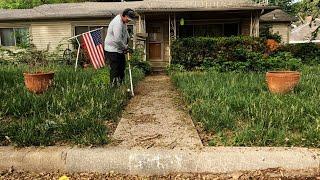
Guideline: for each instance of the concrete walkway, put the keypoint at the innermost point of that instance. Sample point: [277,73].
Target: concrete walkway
[153,119]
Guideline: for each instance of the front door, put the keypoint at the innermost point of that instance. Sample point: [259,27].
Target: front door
[155,32]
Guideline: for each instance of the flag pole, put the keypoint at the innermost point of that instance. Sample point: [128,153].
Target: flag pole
[130,75]
[79,45]
[77,59]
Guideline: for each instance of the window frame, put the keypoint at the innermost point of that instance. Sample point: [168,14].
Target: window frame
[14,34]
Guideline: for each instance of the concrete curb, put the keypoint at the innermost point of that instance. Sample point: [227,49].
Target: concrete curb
[157,161]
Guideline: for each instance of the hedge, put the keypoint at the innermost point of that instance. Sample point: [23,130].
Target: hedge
[238,53]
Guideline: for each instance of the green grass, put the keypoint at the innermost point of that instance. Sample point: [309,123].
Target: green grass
[73,111]
[240,111]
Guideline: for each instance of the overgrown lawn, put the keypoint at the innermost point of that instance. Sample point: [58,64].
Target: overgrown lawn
[240,111]
[73,111]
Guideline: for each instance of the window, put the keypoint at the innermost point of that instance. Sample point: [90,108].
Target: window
[209,30]
[83,29]
[231,29]
[13,36]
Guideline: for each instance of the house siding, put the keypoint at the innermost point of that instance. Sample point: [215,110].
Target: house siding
[50,34]
[283,30]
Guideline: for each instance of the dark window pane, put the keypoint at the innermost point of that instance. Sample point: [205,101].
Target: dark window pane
[81,29]
[22,36]
[186,31]
[231,29]
[215,30]
[7,37]
[210,30]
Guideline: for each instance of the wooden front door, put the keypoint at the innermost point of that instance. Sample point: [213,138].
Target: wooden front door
[155,32]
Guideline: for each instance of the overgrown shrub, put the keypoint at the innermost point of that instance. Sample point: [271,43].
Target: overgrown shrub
[230,54]
[137,61]
[309,53]
[191,52]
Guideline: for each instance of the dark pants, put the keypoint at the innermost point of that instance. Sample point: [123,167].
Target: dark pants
[117,63]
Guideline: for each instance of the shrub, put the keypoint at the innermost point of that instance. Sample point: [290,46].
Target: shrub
[309,53]
[191,52]
[137,61]
[283,61]
[231,54]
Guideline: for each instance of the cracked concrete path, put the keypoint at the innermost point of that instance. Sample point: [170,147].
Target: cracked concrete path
[153,118]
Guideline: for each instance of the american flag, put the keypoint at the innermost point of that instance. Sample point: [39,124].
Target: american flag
[94,46]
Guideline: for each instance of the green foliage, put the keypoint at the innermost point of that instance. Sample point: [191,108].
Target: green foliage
[239,110]
[309,53]
[71,112]
[310,8]
[137,61]
[25,4]
[191,52]
[266,34]
[283,61]
[229,54]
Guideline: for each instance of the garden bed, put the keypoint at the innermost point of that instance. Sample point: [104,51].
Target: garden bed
[236,109]
[80,108]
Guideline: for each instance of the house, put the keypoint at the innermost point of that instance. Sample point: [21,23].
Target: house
[159,22]
[279,22]
[303,33]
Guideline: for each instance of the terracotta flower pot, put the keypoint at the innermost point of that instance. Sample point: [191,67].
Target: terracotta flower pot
[38,82]
[282,81]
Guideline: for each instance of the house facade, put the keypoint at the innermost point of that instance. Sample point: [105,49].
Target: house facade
[158,24]
[279,22]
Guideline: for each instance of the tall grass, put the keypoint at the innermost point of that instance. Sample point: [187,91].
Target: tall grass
[72,111]
[240,111]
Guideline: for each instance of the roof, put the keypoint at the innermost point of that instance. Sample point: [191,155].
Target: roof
[277,15]
[108,9]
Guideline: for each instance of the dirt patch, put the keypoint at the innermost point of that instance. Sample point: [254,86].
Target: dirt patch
[153,118]
[273,174]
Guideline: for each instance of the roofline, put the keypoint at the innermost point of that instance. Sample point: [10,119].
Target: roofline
[56,17]
[139,10]
[145,10]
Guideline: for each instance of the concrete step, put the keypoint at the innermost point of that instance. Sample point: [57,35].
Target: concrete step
[162,64]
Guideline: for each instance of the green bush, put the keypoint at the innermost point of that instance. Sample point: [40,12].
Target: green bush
[229,54]
[192,52]
[283,61]
[137,61]
[309,53]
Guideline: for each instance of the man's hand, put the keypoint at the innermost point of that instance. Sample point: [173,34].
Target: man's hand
[128,50]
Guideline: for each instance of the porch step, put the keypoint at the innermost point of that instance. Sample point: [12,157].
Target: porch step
[162,64]
[158,69]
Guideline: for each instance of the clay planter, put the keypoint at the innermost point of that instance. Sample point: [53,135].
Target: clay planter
[38,82]
[282,81]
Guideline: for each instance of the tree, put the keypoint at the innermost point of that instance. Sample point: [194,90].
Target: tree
[310,8]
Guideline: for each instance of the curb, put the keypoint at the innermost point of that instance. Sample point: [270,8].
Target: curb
[157,161]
